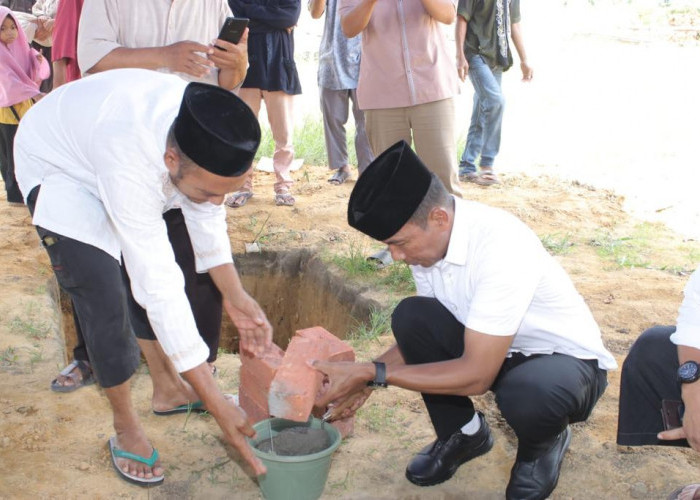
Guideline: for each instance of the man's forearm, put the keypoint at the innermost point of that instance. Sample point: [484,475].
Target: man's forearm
[460,34]
[229,79]
[317,8]
[226,279]
[357,19]
[122,57]
[516,35]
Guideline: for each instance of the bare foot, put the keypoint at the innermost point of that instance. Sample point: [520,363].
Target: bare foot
[137,443]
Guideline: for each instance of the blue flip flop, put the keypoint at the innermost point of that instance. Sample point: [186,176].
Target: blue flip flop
[141,481]
[196,407]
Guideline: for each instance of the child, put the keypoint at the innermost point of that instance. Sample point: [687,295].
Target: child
[23,69]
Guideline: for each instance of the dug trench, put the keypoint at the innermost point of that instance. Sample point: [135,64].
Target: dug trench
[296,289]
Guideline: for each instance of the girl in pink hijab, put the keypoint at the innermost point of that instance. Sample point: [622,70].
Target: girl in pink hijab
[23,69]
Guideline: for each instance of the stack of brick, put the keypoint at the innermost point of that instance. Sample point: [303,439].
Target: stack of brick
[284,385]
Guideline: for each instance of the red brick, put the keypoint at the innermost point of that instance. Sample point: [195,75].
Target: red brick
[255,412]
[295,384]
[265,365]
[254,388]
[337,349]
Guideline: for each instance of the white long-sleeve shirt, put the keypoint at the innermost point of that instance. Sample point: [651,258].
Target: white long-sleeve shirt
[688,323]
[96,148]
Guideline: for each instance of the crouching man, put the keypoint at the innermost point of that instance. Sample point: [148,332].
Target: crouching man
[494,311]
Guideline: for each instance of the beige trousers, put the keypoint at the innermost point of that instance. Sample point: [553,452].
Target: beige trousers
[429,127]
[280,114]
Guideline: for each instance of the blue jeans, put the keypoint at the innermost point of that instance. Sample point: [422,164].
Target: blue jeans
[484,137]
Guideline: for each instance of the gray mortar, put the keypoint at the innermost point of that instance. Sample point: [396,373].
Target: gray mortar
[296,441]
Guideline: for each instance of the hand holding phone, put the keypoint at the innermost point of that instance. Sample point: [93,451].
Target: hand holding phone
[232,30]
[672,413]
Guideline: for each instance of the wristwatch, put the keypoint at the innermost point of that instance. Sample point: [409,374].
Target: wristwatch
[688,372]
[379,376]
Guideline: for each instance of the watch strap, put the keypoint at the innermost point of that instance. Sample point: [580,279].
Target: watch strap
[380,375]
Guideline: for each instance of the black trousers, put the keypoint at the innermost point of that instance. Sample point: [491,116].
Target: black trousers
[7,162]
[537,395]
[648,376]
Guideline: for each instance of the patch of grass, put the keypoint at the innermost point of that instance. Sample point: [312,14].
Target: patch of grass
[9,356]
[354,262]
[379,324]
[398,277]
[378,418]
[625,251]
[30,323]
[557,244]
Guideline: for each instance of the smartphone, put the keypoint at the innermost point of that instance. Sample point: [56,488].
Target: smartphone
[672,413]
[233,29]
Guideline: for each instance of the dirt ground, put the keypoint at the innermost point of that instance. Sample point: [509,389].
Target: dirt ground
[54,445]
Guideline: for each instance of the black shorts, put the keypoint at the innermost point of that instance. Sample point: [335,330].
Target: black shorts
[98,287]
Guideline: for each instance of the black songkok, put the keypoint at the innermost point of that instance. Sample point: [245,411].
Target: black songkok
[388,192]
[217,130]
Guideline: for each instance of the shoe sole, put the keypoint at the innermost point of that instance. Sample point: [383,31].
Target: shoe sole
[452,470]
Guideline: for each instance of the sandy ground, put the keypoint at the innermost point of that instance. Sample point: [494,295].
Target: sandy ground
[622,120]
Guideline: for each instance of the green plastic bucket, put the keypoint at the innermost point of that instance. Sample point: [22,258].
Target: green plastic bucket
[300,477]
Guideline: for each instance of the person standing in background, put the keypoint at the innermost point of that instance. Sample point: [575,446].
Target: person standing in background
[65,42]
[483,53]
[272,77]
[338,71]
[407,81]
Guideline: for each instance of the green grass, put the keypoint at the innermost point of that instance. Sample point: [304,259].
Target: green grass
[30,323]
[309,142]
[378,418]
[9,356]
[557,244]
[627,251]
[379,324]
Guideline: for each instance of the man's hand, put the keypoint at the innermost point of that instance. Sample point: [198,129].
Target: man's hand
[462,65]
[691,425]
[527,71]
[342,379]
[188,57]
[233,55]
[347,407]
[232,61]
[231,419]
[252,324]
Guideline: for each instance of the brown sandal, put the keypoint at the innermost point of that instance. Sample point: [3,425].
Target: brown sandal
[283,198]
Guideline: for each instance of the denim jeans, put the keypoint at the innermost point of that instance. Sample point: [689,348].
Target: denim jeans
[484,136]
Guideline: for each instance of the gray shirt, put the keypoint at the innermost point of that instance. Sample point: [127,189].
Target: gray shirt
[338,56]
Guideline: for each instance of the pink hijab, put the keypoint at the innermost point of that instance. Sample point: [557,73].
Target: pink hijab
[21,71]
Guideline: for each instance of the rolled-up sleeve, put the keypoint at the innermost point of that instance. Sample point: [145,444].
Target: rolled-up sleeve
[134,200]
[97,33]
[688,323]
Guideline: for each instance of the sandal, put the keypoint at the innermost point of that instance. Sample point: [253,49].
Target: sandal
[150,461]
[284,198]
[339,177]
[238,198]
[486,177]
[81,378]
[468,177]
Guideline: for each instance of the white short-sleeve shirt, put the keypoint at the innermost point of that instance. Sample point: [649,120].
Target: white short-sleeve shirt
[96,148]
[688,323]
[498,279]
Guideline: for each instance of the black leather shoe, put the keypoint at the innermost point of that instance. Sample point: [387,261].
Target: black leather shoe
[438,461]
[537,479]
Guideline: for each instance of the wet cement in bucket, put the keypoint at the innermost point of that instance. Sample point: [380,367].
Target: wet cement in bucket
[296,441]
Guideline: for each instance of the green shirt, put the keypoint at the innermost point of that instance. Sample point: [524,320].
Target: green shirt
[481,27]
